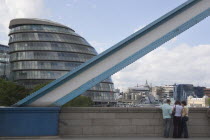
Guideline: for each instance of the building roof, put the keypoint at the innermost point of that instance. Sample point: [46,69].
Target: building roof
[33,21]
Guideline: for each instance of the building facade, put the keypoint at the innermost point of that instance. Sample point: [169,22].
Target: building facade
[139,94]
[4,62]
[199,91]
[207,92]
[197,102]
[182,91]
[42,51]
[163,92]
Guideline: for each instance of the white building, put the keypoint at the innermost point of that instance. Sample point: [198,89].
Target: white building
[163,92]
[197,102]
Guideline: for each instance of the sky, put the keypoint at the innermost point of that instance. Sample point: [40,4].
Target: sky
[103,23]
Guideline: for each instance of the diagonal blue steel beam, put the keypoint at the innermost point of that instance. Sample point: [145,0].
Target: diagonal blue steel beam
[36,95]
[133,58]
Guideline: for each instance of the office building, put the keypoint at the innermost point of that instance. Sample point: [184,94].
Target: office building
[182,91]
[139,94]
[197,102]
[207,92]
[163,92]
[199,91]
[42,51]
[4,62]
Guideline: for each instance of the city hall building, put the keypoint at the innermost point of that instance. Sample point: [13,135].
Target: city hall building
[42,50]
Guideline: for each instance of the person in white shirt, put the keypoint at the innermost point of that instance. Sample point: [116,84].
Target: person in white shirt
[177,109]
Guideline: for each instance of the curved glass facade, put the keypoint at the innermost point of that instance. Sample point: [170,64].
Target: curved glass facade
[53,37]
[42,28]
[44,65]
[52,46]
[41,53]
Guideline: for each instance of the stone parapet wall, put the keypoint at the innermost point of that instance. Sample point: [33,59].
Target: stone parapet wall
[125,122]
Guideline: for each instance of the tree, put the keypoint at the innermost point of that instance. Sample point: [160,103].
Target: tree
[11,93]
[80,101]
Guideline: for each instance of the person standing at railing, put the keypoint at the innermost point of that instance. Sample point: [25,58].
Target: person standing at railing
[167,110]
[185,118]
[177,119]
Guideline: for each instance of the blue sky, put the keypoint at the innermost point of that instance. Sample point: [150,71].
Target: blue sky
[105,22]
[109,21]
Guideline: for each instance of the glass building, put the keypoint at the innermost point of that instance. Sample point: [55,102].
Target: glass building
[182,91]
[4,62]
[42,50]
[199,91]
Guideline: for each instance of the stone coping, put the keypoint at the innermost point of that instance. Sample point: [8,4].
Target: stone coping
[121,110]
[29,109]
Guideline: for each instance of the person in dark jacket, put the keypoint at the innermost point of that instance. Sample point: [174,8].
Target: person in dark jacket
[185,112]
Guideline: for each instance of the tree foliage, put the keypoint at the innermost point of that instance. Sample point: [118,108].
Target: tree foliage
[11,93]
[80,101]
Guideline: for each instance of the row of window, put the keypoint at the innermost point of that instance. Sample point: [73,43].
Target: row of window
[103,87]
[38,74]
[47,65]
[31,83]
[3,49]
[44,75]
[18,75]
[47,37]
[37,55]
[22,46]
[44,65]
[46,28]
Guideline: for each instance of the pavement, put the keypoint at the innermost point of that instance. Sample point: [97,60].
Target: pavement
[97,138]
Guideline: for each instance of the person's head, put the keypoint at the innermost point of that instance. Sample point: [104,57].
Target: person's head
[168,101]
[184,103]
[177,103]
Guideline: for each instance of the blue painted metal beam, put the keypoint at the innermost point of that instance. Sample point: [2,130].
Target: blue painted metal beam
[133,58]
[31,98]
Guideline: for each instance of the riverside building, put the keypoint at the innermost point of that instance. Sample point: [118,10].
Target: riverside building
[42,51]
[4,62]
[182,91]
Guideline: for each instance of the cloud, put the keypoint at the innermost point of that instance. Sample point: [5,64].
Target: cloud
[10,9]
[163,66]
